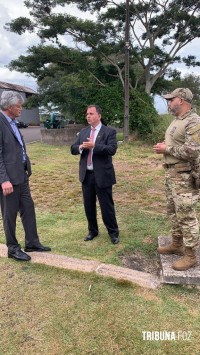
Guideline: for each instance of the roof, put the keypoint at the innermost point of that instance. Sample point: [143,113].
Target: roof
[8,86]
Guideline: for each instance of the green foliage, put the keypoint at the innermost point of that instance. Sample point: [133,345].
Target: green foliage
[158,133]
[20,25]
[154,50]
[31,101]
[120,136]
[143,115]
[71,78]
[109,98]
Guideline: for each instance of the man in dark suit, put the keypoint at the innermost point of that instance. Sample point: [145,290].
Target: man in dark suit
[15,169]
[96,144]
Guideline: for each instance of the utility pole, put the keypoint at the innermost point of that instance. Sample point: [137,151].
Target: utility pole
[126,80]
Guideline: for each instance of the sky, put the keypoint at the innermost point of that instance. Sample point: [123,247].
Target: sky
[13,45]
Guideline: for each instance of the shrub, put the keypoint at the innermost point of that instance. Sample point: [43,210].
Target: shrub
[158,133]
[143,115]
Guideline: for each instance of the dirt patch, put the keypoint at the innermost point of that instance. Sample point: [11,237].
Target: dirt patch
[139,262]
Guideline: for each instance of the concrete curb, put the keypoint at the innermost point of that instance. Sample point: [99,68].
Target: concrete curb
[143,279]
[140,278]
[171,276]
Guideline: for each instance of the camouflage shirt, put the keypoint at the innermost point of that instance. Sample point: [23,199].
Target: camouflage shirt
[182,139]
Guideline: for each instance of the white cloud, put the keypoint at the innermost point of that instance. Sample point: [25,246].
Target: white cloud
[17,78]
[191,49]
[13,45]
[14,8]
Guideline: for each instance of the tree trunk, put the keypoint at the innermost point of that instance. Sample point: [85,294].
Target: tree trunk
[148,86]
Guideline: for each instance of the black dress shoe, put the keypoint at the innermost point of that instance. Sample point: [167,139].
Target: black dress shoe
[115,240]
[37,248]
[19,255]
[90,237]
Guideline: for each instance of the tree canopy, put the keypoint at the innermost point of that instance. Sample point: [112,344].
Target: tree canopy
[79,60]
[159,29]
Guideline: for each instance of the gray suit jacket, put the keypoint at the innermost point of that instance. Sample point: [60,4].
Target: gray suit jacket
[105,148]
[11,156]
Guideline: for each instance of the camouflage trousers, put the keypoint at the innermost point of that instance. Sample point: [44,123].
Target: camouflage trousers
[181,203]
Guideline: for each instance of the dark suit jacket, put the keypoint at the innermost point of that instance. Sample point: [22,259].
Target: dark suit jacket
[11,156]
[105,147]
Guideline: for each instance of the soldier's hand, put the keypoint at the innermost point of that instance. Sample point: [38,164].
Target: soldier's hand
[7,188]
[159,148]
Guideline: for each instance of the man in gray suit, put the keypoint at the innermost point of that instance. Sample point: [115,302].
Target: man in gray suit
[15,169]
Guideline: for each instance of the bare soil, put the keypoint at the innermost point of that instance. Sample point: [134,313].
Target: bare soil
[139,262]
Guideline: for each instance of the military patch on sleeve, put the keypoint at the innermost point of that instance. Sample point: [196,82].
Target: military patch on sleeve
[194,129]
[194,133]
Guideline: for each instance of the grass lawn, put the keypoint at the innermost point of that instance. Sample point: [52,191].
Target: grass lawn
[51,311]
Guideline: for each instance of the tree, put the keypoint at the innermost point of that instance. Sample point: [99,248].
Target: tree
[159,30]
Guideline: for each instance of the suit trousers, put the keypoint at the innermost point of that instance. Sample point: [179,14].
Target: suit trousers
[19,200]
[90,192]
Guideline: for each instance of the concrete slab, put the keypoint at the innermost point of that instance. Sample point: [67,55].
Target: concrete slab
[169,275]
[143,279]
[140,278]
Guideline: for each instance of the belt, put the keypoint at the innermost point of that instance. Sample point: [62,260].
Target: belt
[180,167]
[169,166]
[90,171]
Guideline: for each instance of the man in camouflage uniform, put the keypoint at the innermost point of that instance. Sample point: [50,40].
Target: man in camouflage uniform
[181,150]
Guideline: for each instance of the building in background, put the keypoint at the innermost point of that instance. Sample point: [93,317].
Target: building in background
[29,116]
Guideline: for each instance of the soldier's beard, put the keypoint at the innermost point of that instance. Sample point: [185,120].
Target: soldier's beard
[175,110]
